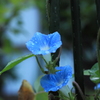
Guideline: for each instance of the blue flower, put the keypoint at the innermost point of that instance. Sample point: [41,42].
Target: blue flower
[54,82]
[44,44]
[97,86]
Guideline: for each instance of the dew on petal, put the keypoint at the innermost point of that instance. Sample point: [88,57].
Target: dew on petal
[45,48]
[44,44]
[53,82]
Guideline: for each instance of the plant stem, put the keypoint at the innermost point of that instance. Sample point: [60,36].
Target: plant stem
[98,35]
[79,89]
[98,48]
[39,64]
[77,45]
[98,39]
[96,97]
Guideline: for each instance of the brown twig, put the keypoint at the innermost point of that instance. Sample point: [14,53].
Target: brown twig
[79,89]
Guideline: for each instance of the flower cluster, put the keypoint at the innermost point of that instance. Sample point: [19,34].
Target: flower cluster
[42,44]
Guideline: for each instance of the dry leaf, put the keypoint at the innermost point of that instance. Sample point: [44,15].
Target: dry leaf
[26,92]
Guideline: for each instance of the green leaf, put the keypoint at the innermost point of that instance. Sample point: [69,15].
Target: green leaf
[95,79]
[87,72]
[94,68]
[92,71]
[15,62]
[38,88]
[95,75]
[41,96]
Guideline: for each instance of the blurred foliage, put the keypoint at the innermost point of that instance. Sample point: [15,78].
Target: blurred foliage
[9,9]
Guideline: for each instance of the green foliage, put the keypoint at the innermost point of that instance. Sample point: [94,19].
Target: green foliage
[37,85]
[94,73]
[87,72]
[90,98]
[94,69]
[7,48]
[70,96]
[41,96]
[13,63]
[11,8]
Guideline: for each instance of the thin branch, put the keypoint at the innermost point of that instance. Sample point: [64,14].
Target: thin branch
[79,89]
[39,64]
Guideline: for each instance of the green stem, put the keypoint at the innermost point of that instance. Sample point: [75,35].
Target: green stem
[39,64]
[59,53]
[96,97]
[98,58]
[44,60]
[98,48]
[98,39]
[98,35]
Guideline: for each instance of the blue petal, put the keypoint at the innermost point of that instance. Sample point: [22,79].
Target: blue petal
[97,86]
[55,41]
[44,44]
[53,82]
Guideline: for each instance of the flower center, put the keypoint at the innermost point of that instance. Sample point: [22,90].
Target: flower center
[45,48]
